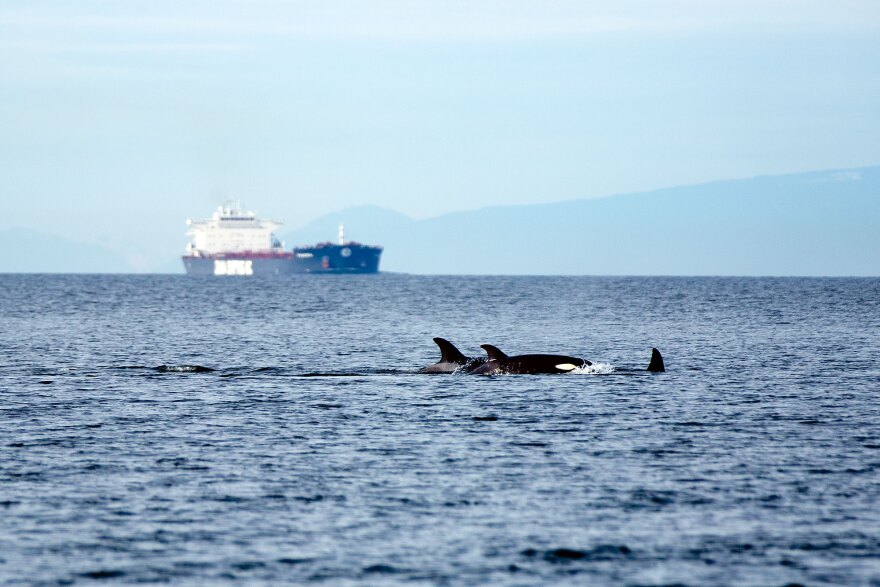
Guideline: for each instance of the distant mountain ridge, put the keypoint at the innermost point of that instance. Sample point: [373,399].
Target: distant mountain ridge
[817,223]
[35,252]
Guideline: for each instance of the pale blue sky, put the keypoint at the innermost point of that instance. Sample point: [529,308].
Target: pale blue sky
[121,119]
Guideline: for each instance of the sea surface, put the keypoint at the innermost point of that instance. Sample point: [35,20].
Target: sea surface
[247,431]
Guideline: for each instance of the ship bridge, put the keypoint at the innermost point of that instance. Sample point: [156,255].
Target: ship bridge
[231,230]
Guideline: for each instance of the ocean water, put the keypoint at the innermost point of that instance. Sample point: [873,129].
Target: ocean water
[267,431]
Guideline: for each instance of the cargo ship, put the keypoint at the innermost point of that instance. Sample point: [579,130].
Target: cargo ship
[234,242]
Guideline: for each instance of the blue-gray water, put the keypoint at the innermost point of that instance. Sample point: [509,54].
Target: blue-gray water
[313,452]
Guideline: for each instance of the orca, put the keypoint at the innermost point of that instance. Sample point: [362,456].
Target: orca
[451,359]
[656,365]
[498,362]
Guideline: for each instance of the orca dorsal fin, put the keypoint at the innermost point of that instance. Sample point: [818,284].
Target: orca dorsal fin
[494,353]
[656,365]
[448,352]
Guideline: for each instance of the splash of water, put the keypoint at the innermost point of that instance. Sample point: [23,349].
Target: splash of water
[595,369]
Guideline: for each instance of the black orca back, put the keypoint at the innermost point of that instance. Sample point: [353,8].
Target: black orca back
[499,362]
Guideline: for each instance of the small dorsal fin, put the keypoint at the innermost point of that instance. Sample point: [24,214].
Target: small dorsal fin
[494,353]
[448,352]
[656,365]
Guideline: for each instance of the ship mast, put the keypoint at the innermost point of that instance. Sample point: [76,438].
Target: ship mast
[341,233]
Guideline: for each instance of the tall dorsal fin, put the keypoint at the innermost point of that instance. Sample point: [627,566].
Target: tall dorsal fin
[656,365]
[448,352]
[495,354]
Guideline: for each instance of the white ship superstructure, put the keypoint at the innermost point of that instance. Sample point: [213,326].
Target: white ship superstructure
[230,230]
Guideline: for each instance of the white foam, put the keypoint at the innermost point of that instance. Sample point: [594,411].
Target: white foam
[595,369]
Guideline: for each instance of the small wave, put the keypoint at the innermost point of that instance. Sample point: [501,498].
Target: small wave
[602,552]
[103,574]
[380,569]
[595,369]
[357,373]
[183,369]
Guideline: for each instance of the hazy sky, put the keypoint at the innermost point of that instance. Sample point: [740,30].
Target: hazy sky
[120,119]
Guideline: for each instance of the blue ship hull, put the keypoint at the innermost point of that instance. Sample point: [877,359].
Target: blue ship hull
[239,265]
[328,258]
